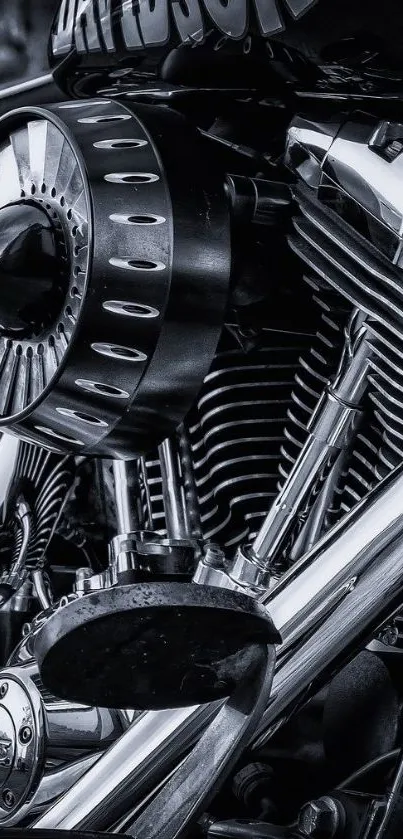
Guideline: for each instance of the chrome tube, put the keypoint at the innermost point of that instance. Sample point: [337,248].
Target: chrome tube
[126,495]
[41,589]
[9,452]
[176,517]
[330,430]
[57,781]
[313,527]
[126,773]
[25,87]
[372,597]
[323,607]
[311,589]
[188,792]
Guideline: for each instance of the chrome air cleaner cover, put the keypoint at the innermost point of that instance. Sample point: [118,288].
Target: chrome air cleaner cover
[114,272]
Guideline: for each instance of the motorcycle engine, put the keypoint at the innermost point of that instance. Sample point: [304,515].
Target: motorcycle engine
[201,383]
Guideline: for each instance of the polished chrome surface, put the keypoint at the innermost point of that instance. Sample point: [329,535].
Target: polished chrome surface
[22,751]
[126,484]
[130,768]
[211,569]
[41,589]
[86,581]
[344,587]
[9,451]
[57,781]
[35,728]
[72,726]
[38,166]
[312,586]
[349,232]
[23,516]
[24,87]
[129,354]
[128,309]
[331,429]
[176,515]
[358,607]
[313,527]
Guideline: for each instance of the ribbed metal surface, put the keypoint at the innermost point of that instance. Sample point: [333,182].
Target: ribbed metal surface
[44,479]
[237,429]
[339,258]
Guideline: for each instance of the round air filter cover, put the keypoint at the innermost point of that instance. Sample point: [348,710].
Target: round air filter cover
[115,234]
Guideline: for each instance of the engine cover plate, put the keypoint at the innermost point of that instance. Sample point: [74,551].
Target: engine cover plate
[22,741]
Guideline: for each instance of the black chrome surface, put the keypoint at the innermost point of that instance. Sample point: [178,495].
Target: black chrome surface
[30,270]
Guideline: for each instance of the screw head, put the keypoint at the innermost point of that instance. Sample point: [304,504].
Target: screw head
[3,689]
[25,734]
[8,798]
[319,819]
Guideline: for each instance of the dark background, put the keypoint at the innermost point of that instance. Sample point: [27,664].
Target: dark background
[24,30]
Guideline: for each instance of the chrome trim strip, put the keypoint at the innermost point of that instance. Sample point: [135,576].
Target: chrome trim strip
[22,87]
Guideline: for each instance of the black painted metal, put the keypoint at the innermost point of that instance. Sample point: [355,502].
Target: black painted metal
[156,645]
[146,224]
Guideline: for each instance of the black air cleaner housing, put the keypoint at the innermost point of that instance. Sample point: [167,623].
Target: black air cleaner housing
[116,228]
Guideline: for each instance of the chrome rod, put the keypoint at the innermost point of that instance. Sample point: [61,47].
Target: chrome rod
[126,495]
[314,525]
[189,482]
[24,87]
[330,430]
[323,606]
[41,589]
[177,522]
[312,587]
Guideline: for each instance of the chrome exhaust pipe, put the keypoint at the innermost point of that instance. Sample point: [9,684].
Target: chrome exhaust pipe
[363,605]
[130,769]
[324,608]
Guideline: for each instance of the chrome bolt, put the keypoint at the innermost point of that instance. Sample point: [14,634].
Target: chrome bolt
[3,689]
[319,819]
[214,556]
[8,798]
[25,734]
[389,635]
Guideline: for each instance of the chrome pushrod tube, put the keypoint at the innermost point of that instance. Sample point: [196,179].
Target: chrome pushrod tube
[176,517]
[315,607]
[126,492]
[331,428]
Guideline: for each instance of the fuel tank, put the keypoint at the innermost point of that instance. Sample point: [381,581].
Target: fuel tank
[161,39]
